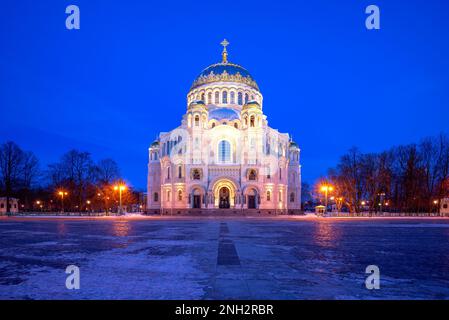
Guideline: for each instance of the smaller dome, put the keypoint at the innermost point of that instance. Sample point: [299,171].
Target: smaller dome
[219,114]
[195,103]
[155,144]
[293,145]
[251,104]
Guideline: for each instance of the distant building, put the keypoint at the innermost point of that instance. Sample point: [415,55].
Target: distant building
[320,210]
[444,209]
[13,202]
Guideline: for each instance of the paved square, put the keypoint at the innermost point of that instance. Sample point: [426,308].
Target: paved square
[224,258]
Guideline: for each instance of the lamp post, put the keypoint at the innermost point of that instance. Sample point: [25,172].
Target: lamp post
[87,206]
[62,194]
[382,197]
[435,202]
[339,203]
[120,188]
[39,203]
[326,189]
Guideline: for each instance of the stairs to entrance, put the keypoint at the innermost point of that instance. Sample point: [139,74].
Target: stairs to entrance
[222,212]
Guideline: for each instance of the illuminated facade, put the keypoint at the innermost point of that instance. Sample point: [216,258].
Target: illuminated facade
[224,155]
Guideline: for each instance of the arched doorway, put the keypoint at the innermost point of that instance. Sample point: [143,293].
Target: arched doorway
[196,199]
[252,198]
[224,193]
[224,200]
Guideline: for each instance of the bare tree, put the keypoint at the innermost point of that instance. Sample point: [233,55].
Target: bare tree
[107,171]
[29,174]
[18,169]
[413,178]
[76,173]
[430,154]
[349,179]
[11,158]
[442,189]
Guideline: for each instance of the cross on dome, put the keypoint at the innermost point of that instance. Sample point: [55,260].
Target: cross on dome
[224,54]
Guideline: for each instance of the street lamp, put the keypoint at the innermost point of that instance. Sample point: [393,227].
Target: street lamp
[326,189]
[435,202]
[120,188]
[382,197]
[39,204]
[62,194]
[339,203]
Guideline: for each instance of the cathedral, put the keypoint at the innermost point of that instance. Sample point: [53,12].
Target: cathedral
[224,158]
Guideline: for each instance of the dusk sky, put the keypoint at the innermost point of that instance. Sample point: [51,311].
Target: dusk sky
[112,86]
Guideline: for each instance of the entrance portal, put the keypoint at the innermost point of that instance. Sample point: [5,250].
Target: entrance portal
[251,202]
[196,201]
[224,191]
[224,202]
[252,198]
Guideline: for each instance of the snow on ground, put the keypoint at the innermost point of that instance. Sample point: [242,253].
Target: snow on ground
[184,258]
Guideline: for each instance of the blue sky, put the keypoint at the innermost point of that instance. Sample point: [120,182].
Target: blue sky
[112,86]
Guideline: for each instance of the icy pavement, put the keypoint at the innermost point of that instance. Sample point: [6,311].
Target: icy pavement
[224,258]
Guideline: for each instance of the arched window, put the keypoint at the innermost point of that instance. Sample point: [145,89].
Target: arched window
[196,174]
[209,98]
[203,97]
[246,120]
[268,172]
[168,172]
[213,125]
[252,121]
[246,98]
[268,196]
[252,175]
[225,97]
[232,97]
[292,197]
[179,195]
[236,125]
[240,98]
[217,97]
[224,151]
[179,171]
[155,197]
[197,121]
[280,173]
[168,195]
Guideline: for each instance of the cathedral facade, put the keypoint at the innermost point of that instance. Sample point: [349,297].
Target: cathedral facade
[224,156]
